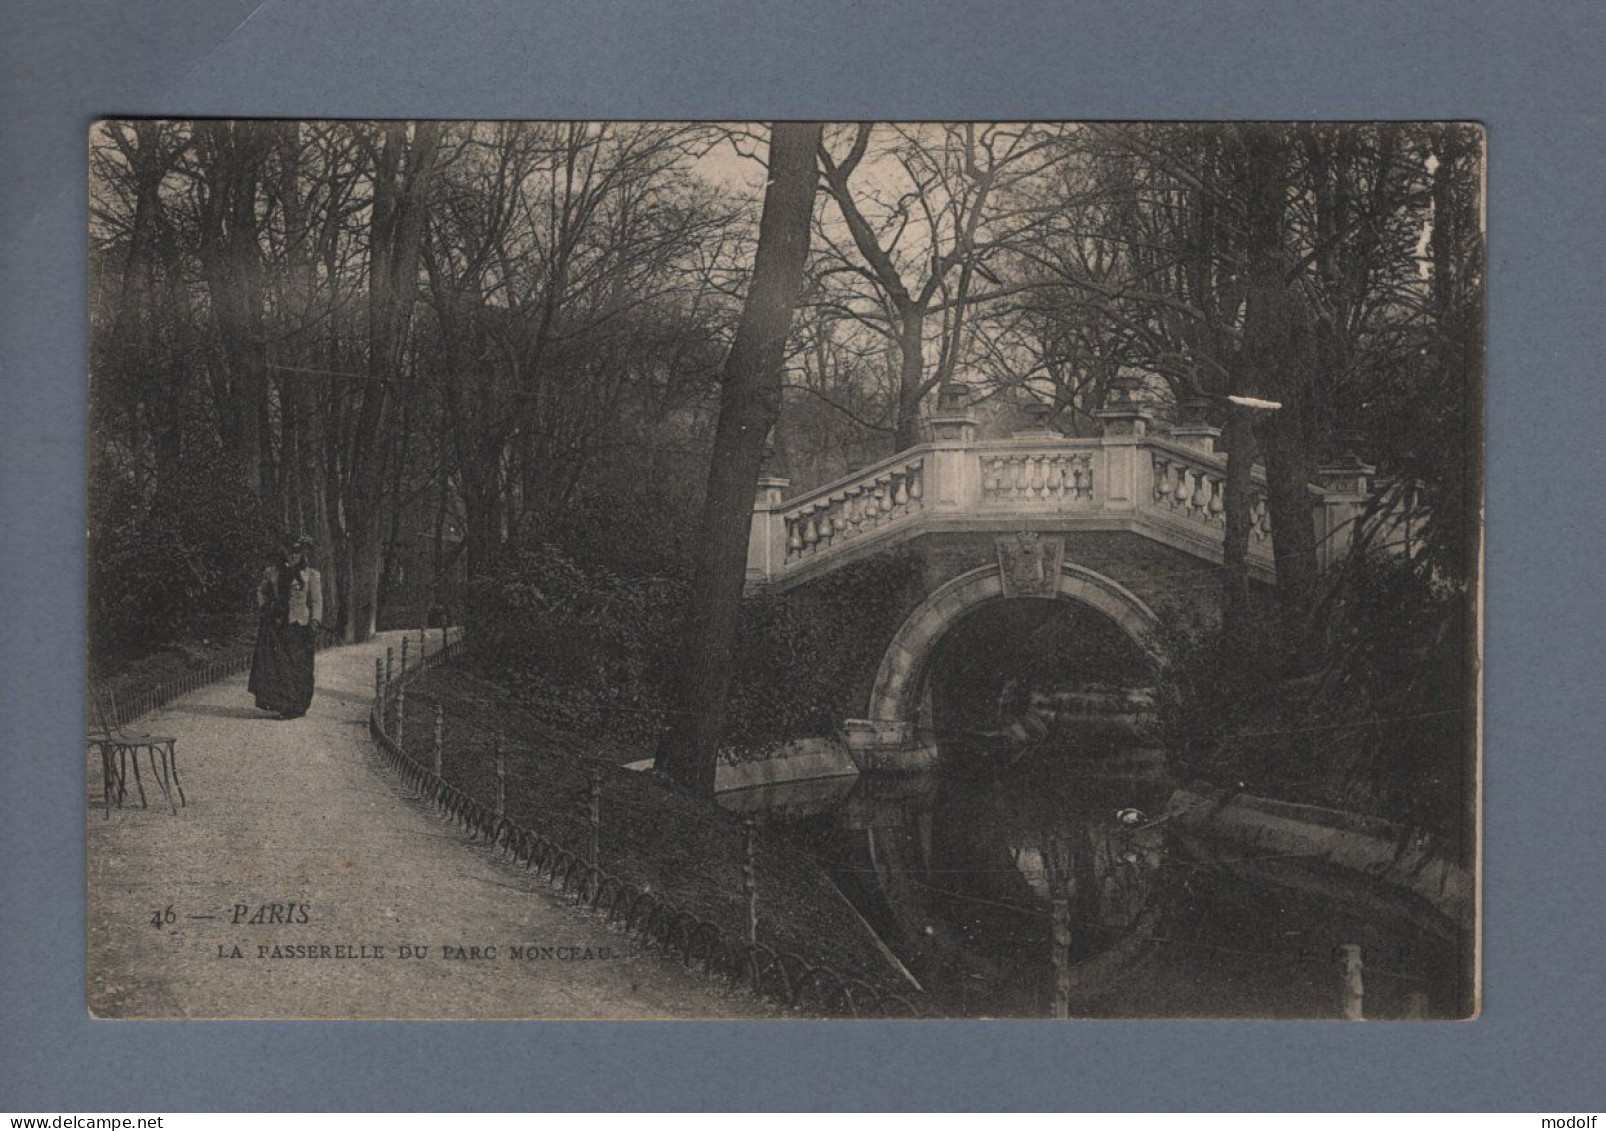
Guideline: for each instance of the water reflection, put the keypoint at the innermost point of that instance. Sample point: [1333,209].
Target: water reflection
[958,872]
[1049,792]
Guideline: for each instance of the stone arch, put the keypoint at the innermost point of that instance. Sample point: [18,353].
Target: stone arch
[899,679]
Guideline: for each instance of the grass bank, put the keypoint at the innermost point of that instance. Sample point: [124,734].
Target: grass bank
[131,672]
[685,849]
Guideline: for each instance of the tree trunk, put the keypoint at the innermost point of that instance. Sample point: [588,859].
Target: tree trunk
[1271,349]
[362,596]
[911,375]
[401,187]
[1239,436]
[750,399]
[482,528]
[231,260]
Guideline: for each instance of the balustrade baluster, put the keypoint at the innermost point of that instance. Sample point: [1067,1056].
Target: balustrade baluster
[1184,491]
[917,484]
[1201,492]
[1163,483]
[900,495]
[1218,504]
[884,493]
[794,537]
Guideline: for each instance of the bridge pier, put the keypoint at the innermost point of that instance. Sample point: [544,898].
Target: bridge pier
[888,746]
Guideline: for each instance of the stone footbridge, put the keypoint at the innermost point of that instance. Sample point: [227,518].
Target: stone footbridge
[1130,523]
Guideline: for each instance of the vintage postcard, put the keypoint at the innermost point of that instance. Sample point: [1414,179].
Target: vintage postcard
[784,570]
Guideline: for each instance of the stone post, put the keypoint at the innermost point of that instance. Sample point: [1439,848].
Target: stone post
[1193,428]
[1060,958]
[1130,420]
[1346,485]
[953,477]
[1354,998]
[750,876]
[766,538]
[594,817]
[500,758]
[1125,481]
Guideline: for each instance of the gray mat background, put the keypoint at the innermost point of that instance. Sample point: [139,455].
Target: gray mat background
[1532,71]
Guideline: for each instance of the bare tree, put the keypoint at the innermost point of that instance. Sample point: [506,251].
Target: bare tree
[926,216]
[404,160]
[750,395]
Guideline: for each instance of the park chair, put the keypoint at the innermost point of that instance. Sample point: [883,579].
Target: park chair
[120,748]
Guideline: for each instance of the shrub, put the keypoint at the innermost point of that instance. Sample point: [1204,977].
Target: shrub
[169,567]
[805,657]
[585,646]
[1364,707]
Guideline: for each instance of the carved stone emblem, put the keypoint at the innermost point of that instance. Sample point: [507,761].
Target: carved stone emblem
[1030,564]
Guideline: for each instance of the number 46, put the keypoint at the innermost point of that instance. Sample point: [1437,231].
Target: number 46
[165,917]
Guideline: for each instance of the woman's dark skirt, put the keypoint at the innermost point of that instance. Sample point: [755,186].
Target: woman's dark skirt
[281,667]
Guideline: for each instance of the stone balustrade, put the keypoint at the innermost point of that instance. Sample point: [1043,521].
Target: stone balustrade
[1171,489]
[884,496]
[1037,475]
[1195,490]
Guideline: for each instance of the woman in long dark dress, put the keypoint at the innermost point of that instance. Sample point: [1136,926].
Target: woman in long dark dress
[290,597]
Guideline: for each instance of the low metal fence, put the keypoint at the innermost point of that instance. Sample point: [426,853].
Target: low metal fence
[126,708]
[776,974]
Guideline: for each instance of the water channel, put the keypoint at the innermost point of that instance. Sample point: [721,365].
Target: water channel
[1048,790]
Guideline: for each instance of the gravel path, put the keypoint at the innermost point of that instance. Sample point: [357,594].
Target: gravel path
[303,812]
